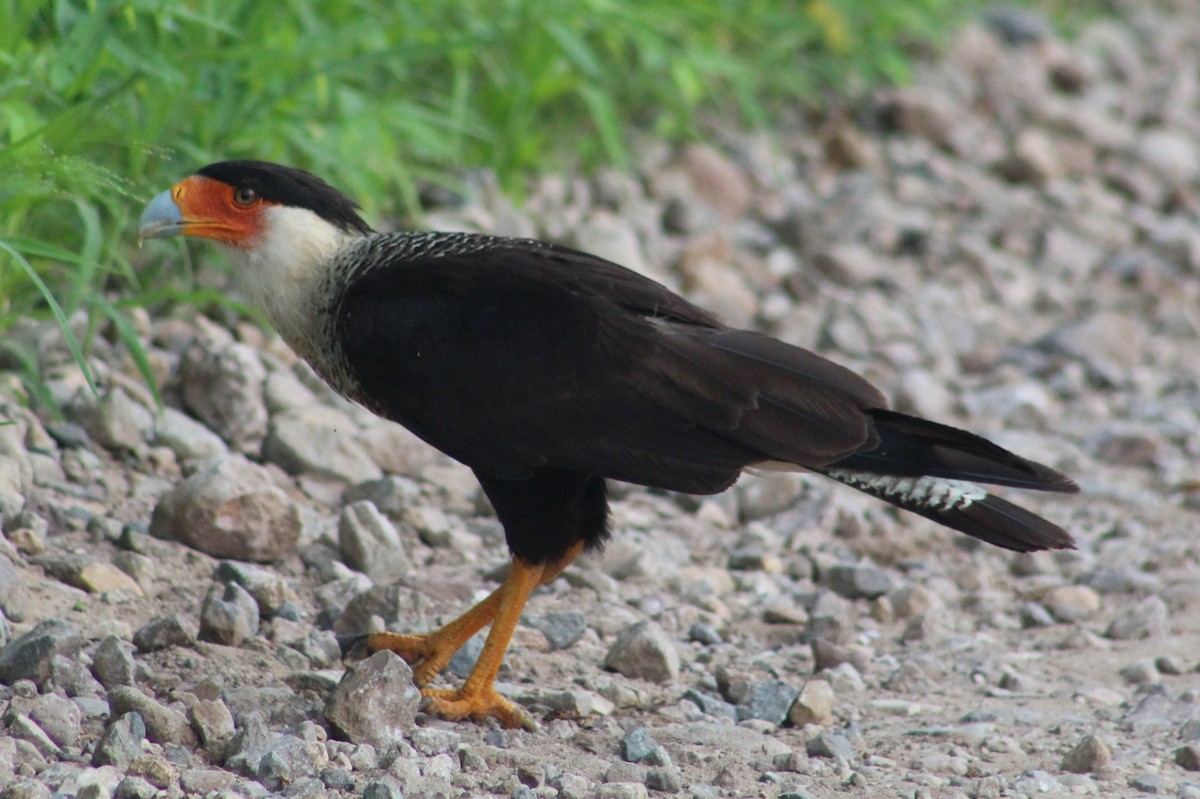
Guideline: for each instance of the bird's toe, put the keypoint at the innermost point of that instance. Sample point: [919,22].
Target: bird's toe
[460,703]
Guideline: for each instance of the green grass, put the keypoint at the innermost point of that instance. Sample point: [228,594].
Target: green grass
[104,103]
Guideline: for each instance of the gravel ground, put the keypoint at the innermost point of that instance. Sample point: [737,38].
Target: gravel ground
[1012,244]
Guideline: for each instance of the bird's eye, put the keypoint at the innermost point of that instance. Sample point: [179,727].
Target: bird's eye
[245,197]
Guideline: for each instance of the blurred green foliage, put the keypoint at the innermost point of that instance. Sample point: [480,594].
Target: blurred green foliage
[103,103]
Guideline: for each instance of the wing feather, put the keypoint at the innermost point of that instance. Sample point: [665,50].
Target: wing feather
[538,356]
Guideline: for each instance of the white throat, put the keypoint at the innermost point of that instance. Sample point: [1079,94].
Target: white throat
[286,273]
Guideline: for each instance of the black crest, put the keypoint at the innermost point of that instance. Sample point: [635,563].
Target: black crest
[292,187]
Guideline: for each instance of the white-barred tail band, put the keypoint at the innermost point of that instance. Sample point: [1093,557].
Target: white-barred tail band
[934,493]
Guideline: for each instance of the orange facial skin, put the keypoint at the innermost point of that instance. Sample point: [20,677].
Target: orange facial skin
[215,210]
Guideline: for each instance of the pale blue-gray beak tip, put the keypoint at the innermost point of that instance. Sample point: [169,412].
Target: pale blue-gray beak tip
[161,218]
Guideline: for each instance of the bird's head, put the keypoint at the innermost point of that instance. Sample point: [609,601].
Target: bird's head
[241,203]
[283,227]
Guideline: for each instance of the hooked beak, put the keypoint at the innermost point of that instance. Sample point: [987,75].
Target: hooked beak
[162,218]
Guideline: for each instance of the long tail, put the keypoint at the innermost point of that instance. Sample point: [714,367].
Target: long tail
[933,470]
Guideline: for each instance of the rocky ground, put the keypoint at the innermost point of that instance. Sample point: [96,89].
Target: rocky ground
[1011,244]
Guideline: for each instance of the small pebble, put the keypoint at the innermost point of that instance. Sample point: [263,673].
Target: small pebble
[767,701]
[644,651]
[1089,755]
[858,581]
[1148,783]
[270,590]
[58,717]
[1034,614]
[229,615]
[337,779]
[134,787]
[1170,665]
[828,655]
[712,705]
[432,741]
[561,629]
[830,744]
[814,705]
[164,632]
[1188,757]
[1072,603]
[371,543]
[638,746]
[1146,619]
[288,759]
[704,634]
[1143,672]
[665,779]
[30,656]
[113,662]
[625,772]
[385,788]
[120,742]
[163,724]
[622,790]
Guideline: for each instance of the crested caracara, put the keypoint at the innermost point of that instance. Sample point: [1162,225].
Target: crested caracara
[548,371]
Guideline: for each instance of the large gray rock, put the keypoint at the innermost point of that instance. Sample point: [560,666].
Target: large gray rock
[230,509]
[376,701]
[639,746]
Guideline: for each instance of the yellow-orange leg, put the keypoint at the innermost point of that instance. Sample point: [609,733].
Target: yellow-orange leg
[477,698]
[428,653]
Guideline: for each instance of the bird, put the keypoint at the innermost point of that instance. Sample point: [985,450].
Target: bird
[548,372]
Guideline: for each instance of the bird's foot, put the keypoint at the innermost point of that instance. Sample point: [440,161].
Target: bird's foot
[463,703]
[427,653]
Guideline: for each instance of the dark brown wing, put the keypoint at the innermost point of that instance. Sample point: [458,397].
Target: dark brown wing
[514,356]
